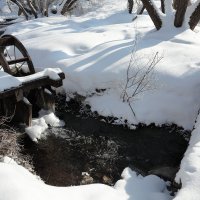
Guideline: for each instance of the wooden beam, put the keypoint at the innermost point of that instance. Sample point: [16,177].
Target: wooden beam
[33,84]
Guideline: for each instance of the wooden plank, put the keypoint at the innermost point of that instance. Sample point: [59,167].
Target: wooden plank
[27,86]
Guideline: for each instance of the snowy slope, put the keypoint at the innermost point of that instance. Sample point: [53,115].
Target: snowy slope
[189,173]
[94,51]
[25,186]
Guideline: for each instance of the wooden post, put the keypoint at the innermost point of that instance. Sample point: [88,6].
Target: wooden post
[23,112]
[45,99]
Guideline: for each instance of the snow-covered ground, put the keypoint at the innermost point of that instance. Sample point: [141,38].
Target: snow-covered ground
[18,183]
[94,51]
[189,173]
[5,11]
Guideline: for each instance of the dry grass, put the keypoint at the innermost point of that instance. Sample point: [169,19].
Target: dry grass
[9,145]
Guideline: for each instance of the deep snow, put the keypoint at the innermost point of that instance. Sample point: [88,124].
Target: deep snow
[94,51]
[18,183]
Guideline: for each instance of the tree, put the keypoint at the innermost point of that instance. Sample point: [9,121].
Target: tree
[181,9]
[68,5]
[35,8]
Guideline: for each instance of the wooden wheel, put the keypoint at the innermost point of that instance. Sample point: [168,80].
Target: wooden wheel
[14,58]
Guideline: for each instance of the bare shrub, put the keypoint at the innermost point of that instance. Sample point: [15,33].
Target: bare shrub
[140,77]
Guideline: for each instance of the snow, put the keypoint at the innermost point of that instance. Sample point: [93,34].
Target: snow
[52,73]
[8,81]
[37,129]
[5,12]
[25,185]
[94,51]
[189,173]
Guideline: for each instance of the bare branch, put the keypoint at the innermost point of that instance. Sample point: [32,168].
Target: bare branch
[138,80]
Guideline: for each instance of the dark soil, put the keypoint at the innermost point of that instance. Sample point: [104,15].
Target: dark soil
[103,150]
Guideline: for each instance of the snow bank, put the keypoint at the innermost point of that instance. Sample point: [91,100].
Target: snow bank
[18,183]
[94,51]
[189,173]
[37,130]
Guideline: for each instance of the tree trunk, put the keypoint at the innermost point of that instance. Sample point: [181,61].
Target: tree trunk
[152,13]
[46,7]
[130,6]
[195,17]
[181,6]
[21,8]
[175,4]
[36,5]
[162,5]
[141,10]
[68,6]
[33,10]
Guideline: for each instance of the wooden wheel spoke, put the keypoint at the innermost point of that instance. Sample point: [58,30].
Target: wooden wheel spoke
[15,57]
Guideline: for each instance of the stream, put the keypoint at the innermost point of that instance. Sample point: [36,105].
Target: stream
[89,150]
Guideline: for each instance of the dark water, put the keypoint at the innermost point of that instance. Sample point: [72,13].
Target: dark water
[103,151]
